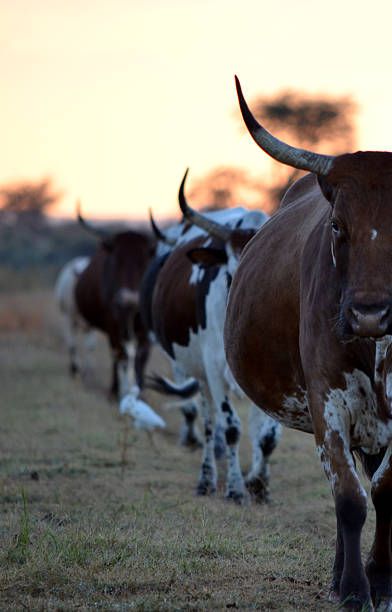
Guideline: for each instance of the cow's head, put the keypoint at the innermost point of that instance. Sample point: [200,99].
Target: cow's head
[358,187]
[125,263]
[232,239]
[125,257]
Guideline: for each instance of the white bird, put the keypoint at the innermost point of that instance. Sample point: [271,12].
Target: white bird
[143,415]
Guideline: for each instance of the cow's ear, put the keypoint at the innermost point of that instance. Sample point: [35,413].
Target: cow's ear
[328,189]
[207,256]
[108,244]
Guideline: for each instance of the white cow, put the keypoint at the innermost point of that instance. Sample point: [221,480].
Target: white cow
[187,311]
[73,322]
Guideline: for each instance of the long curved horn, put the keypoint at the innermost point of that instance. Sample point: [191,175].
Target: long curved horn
[211,227]
[298,158]
[90,228]
[158,233]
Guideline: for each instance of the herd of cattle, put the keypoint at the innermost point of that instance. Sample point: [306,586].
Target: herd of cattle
[291,313]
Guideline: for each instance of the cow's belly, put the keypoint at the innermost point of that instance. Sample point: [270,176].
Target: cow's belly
[275,387]
[290,408]
[203,354]
[188,359]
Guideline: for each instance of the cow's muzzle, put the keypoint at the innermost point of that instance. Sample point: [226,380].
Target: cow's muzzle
[369,320]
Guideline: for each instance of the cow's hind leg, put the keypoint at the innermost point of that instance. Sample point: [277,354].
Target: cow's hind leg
[208,473]
[70,341]
[189,435]
[264,433]
[114,386]
[90,340]
[143,349]
[379,563]
[235,485]
[219,440]
[226,414]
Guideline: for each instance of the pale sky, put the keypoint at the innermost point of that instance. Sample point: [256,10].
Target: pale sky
[115,98]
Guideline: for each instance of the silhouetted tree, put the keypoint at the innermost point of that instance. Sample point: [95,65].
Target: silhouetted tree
[222,188]
[27,203]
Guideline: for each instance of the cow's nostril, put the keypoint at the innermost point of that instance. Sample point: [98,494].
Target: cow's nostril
[369,312]
[369,320]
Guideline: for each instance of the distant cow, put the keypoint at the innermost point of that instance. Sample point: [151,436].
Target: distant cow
[72,320]
[188,304]
[309,339]
[166,241]
[107,295]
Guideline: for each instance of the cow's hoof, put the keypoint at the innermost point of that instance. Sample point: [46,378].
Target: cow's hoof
[384,605]
[380,586]
[355,604]
[204,488]
[333,595]
[239,497]
[258,490]
[190,440]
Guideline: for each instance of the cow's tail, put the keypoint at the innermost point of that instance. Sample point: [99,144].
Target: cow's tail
[189,388]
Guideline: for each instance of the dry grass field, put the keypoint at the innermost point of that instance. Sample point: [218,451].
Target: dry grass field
[85,526]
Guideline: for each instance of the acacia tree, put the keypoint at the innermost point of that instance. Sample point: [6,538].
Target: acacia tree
[27,203]
[224,187]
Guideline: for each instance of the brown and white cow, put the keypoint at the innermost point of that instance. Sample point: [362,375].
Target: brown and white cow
[107,296]
[188,304]
[308,337]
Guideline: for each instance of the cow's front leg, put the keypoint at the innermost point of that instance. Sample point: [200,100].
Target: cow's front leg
[349,580]
[264,433]
[189,434]
[121,377]
[379,564]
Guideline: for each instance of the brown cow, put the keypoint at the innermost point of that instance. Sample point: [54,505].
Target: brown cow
[107,297]
[308,338]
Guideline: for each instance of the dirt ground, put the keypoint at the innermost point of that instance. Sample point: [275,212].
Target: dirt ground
[87,522]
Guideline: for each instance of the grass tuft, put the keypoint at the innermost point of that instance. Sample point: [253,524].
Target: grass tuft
[18,552]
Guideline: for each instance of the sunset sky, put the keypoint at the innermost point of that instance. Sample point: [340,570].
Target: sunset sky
[115,98]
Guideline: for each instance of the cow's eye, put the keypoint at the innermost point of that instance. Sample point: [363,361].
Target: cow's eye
[336,229]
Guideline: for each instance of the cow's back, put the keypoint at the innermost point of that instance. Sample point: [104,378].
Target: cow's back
[262,321]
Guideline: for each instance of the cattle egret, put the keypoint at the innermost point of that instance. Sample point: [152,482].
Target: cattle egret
[143,415]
